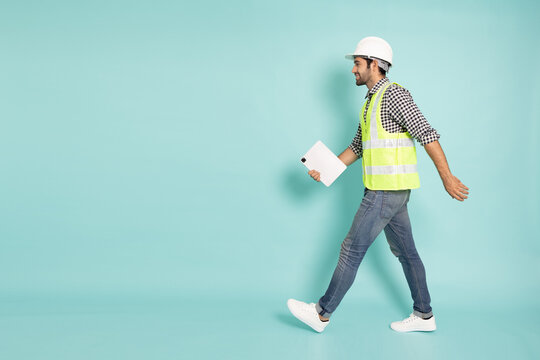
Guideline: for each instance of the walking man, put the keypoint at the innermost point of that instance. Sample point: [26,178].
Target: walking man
[389,121]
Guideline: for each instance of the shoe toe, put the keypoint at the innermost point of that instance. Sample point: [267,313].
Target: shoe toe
[306,313]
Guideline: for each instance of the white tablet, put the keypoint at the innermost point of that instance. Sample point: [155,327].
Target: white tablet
[322,159]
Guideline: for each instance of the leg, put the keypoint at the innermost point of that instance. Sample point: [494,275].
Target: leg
[368,223]
[399,236]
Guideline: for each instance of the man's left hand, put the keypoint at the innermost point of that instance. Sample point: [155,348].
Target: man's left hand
[455,188]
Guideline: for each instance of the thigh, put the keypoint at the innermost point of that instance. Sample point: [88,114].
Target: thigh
[368,222]
[399,235]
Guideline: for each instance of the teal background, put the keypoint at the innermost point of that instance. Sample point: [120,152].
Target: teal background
[154,206]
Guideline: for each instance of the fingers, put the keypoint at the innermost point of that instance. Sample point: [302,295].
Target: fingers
[461,185]
[463,191]
[459,194]
[455,195]
[459,191]
[315,175]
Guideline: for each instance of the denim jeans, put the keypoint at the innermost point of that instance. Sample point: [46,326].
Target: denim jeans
[380,209]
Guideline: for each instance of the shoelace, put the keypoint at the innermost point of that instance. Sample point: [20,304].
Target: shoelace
[410,318]
[308,309]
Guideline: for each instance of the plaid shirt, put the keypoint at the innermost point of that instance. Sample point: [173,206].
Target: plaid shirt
[399,113]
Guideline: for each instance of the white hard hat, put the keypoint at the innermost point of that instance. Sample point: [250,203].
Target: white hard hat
[373,47]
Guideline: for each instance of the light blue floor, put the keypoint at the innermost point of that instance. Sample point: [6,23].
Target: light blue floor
[219,328]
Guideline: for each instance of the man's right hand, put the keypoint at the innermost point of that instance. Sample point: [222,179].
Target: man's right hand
[315,175]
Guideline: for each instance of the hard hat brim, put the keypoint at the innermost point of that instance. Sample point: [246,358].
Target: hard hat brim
[352,56]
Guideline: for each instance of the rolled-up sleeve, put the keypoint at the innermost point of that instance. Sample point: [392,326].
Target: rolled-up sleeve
[356,144]
[405,112]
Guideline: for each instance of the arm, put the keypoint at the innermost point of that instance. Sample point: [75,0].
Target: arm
[348,156]
[453,186]
[405,112]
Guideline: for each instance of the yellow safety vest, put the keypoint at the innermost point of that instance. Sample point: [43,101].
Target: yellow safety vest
[388,159]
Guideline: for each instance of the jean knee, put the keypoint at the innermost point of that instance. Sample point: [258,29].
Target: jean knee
[351,256]
[409,256]
[395,250]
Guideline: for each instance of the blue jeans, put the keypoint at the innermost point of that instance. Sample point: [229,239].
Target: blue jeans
[380,209]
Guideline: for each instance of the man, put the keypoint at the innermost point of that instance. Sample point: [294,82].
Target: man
[389,121]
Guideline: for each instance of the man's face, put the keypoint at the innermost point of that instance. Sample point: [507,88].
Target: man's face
[361,71]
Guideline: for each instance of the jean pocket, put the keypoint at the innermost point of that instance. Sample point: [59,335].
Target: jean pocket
[369,196]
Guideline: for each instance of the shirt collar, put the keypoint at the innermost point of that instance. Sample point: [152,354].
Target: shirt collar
[377,86]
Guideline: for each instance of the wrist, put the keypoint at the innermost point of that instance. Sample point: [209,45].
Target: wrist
[445,175]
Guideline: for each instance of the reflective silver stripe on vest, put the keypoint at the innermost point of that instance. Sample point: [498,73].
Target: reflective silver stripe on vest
[387,143]
[390,169]
[373,118]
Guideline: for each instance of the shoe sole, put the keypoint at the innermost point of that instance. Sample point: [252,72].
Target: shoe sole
[413,330]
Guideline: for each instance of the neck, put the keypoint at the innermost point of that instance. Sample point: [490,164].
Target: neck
[374,79]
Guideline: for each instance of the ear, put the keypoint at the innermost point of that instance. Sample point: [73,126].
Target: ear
[375,63]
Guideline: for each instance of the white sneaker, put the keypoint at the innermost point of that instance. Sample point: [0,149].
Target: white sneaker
[414,323]
[307,313]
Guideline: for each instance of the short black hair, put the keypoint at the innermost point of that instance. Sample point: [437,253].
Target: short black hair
[381,70]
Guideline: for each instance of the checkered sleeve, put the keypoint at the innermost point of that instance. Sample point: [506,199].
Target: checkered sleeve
[404,111]
[356,144]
